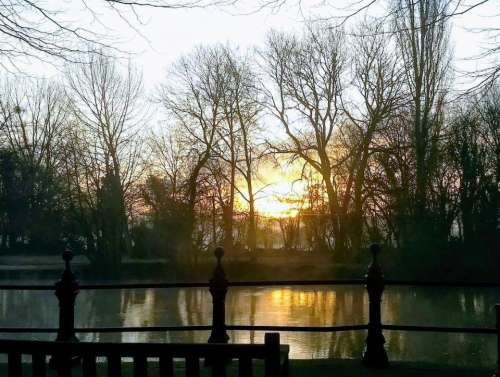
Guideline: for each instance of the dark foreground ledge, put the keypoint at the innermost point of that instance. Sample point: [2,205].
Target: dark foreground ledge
[353,368]
[313,368]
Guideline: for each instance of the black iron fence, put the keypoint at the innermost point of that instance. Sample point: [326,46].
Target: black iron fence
[374,353]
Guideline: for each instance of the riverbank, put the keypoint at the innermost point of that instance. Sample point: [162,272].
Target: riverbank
[314,368]
[269,265]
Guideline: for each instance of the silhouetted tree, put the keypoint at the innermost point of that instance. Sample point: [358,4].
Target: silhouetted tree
[422,36]
[306,76]
[107,109]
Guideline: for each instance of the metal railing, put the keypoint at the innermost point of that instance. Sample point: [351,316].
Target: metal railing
[374,353]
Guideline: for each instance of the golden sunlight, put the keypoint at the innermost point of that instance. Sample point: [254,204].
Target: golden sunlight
[273,207]
[279,192]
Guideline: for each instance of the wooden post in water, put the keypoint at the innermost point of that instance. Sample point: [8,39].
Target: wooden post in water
[66,292]
[218,290]
[497,370]
[374,354]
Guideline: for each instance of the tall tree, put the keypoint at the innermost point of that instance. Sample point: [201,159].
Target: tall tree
[422,35]
[241,107]
[193,98]
[305,98]
[34,119]
[107,107]
[377,79]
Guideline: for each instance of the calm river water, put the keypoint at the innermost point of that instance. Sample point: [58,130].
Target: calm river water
[310,306]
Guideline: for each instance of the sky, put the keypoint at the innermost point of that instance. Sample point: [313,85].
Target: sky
[156,38]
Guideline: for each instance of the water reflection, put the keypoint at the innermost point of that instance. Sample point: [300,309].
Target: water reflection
[310,306]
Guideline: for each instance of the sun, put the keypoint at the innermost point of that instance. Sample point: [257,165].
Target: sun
[273,207]
[283,198]
[279,192]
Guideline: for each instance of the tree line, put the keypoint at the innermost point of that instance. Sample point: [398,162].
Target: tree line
[387,152]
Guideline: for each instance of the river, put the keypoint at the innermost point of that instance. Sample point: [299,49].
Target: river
[309,306]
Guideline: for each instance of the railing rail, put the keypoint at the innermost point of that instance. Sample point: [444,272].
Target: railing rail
[128,329]
[252,283]
[445,329]
[374,354]
[125,329]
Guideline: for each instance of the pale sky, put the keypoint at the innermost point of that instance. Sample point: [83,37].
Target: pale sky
[167,34]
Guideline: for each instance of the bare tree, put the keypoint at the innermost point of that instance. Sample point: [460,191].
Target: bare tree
[83,176]
[107,106]
[489,111]
[305,99]
[390,178]
[33,117]
[290,231]
[422,35]
[170,159]
[378,81]
[228,150]
[193,98]
[238,134]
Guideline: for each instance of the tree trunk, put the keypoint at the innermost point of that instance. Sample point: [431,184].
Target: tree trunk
[252,227]
[337,221]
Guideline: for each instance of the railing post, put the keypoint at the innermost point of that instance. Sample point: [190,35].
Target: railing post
[272,360]
[66,290]
[374,354]
[218,290]
[497,370]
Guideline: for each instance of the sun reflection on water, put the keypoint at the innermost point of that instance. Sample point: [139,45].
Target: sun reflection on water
[285,306]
